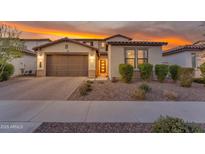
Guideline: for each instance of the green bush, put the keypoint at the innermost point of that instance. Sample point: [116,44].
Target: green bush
[199,80]
[89,82]
[174,125]
[7,73]
[161,71]
[186,76]
[126,72]
[202,69]
[174,72]
[145,87]
[145,71]
[85,88]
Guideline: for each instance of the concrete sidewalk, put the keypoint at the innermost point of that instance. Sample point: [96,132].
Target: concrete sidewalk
[36,112]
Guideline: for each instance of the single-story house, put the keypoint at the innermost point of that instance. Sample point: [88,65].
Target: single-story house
[187,56]
[95,57]
[26,65]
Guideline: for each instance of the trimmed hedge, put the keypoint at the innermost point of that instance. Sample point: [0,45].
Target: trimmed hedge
[145,71]
[126,72]
[161,71]
[174,125]
[7,73]
[174,72]
[186,76]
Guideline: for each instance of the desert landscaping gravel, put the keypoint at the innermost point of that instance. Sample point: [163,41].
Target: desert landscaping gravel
[94,128]
[108,91]
[58,127]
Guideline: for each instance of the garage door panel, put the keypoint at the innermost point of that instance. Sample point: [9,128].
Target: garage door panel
[64,65]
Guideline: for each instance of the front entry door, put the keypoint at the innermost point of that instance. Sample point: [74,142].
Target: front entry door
[103,66]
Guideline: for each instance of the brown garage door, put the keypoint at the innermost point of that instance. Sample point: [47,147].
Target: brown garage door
[67,65]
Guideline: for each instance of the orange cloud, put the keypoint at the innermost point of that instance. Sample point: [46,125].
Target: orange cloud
[55,32]
[173,41]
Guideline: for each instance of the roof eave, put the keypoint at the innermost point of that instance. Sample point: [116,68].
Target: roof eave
[62,40]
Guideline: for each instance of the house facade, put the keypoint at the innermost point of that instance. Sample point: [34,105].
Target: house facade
[95,57]
[187,56]
[26,65]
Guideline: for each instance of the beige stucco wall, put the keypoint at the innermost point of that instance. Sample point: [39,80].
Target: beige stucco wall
[27,63]
[184,59]
[116,56]
[60,48]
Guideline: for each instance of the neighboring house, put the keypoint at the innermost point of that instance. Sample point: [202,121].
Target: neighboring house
[26,65]
[95,57]
[187,56]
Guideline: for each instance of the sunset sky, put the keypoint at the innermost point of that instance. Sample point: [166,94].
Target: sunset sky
[174,32]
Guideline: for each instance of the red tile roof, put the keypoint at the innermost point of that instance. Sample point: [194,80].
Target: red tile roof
[63,40]
[137,43]
[184,48]
[118,35]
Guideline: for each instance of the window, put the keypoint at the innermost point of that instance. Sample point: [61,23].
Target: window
[66,46]
[193,57]
[142,56]
[130,57]
[135,57]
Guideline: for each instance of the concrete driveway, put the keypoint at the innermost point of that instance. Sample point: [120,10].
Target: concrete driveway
[44,88]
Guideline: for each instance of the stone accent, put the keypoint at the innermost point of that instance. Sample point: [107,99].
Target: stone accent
[91,73]
[40,73]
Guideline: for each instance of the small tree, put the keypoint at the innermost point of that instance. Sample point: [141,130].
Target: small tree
[10,45]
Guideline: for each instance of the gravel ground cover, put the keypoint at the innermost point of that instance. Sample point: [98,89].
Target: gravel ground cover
[108,91]
[94,128]
[56,127]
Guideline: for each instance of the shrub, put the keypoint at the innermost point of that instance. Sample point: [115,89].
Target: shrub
[126,72]
[199,80]
[202,69]
[170,95]
[174,125]
[88,87]
[186,77]
[145,71]
[139,94]
[7,73]
[89,82]
[161,71]
[85,88]
[174,72]
[145,87]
